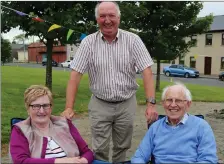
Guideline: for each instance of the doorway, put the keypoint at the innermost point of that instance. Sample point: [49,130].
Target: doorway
[208,66]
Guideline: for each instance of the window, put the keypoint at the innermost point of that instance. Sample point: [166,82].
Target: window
[222,38]
[173,66]
[194,39]
[222,62]
[192,62]
[208,39]
[71,49]
[181,60]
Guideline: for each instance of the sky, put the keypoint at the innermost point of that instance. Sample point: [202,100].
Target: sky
[217,8]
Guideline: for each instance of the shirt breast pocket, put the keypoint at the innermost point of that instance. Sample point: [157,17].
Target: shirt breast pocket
[125,61]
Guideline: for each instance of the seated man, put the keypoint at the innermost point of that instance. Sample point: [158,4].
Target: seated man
[179,137]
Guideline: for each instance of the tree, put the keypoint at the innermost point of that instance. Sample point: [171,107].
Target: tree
[70,14]
[20,37]
[164,27]
[6,50]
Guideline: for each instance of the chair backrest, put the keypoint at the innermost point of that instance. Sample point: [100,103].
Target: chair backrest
[15,120]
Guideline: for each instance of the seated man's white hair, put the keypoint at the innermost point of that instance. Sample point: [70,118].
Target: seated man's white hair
[186,91]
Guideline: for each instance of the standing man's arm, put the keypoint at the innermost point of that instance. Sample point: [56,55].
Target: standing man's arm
[148,82]
[79,66]
[144,63]
[71,91]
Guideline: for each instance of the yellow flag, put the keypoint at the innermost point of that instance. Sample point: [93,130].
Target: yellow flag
[54,26]
[195,56]
[69,33]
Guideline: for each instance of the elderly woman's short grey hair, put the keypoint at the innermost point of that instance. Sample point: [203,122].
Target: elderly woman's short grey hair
[34,92]
[117,7]
[186,91]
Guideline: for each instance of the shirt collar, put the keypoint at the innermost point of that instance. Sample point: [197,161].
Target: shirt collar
[183,120]
[118,33]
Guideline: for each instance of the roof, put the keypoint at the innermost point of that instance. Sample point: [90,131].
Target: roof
[22,48]
[16,46]
[218,23]
[37,44]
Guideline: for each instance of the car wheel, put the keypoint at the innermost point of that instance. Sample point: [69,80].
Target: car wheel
[62,65]
[222,78]
[167,73]
[69,66]
[186,75]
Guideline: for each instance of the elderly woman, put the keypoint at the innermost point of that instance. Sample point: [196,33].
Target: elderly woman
[44,138]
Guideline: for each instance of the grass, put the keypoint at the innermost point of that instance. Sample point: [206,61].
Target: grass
[16,79]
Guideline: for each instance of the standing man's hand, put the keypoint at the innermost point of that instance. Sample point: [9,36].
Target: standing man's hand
[151,114]
[68,113]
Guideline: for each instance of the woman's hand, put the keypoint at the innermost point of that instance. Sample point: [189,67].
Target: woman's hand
[83,160]
[71,160]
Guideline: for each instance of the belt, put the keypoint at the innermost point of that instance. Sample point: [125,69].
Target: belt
[112,102]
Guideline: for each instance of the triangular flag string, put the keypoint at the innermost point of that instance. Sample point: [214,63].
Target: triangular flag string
[52,27]
[69,33]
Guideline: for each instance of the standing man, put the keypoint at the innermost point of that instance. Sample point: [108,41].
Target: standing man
[110,56]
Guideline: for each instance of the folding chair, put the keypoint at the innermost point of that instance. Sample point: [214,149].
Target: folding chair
[15,120]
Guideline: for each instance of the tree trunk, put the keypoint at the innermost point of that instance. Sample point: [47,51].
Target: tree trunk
[49,64]
[158,76]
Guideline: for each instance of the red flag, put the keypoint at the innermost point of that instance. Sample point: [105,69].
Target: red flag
[38,19]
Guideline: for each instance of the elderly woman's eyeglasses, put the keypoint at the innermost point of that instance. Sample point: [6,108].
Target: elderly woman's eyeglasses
[176,101]
[37,107]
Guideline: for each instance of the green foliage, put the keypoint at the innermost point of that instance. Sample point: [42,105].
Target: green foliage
[13,90]
[70,14]
[6,50]
[75,15]
[164,26]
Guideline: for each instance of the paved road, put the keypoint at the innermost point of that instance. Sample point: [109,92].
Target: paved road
[201,81]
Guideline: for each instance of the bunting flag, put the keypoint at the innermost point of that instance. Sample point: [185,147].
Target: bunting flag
[82,36]
[69,33]
[54,26]
[38,19]
[21,13]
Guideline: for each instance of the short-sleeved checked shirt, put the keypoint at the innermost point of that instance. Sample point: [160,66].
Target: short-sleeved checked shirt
[111,66]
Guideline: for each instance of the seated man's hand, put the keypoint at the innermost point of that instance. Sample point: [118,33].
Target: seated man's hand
[68,113]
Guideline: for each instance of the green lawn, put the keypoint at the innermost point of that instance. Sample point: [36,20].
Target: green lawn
[16,79]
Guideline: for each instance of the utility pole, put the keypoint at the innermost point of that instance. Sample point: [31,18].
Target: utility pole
[24,49]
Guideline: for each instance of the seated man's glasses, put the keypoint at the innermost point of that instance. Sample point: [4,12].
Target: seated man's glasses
[37,107]
[176,101]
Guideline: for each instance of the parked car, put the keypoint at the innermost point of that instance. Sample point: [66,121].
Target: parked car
[180,70]
[66,64]
[221,76]
[44,62]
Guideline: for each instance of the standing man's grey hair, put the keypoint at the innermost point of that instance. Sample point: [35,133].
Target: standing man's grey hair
[98,4]
[186,91]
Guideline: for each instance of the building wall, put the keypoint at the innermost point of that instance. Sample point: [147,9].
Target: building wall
[22,57]
[200,51]
[71,50]
[36,53]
